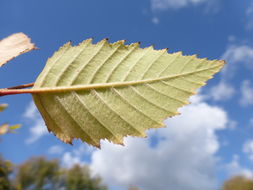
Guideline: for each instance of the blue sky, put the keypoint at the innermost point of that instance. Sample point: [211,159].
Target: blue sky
[212,139]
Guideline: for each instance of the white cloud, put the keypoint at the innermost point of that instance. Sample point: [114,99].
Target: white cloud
[69,160]
[232,124]
[248,149]
[222,91]
[164,5]
[155,20]
[236,56]
[249,17]
[247,93]
[76,156]
[56,149]
[184,157]
[249,10]
[251,122]
[174,4]
[235,169]
[38,129]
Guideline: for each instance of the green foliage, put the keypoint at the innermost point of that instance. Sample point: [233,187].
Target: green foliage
[37,173]
[238,183]
[5,171]
[5,128]
[79,178]
[133,188]
[41,174]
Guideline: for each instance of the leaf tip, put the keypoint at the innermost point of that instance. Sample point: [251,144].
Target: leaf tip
[223,62]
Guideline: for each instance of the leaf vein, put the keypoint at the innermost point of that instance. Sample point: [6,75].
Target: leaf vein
[131,125]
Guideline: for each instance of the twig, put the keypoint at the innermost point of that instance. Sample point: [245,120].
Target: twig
[15,89]
[22,86]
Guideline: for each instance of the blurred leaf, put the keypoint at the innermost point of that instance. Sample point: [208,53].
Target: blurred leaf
[13,46]
[3,107]
[14,127]
[4,129]
[109,91]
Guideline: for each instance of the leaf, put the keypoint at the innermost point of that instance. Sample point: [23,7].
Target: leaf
[108,91]
[4,129]
[14,127]
[3,107]
[13,46]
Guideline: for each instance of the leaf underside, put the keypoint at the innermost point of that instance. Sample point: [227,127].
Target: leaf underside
[110,91]
[13,46]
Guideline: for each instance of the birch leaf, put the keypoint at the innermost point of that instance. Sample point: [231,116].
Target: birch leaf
[14,45]
[109,91]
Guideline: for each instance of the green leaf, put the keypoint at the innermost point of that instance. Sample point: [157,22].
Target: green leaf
[3,107]
[6,128]
[108,91]
[14,127]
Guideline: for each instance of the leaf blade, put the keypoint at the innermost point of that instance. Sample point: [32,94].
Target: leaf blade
[119,89]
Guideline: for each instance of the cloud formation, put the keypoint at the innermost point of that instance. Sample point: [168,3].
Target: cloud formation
[236,56]
[222,91]
[55,149]
[157,5]
[248,149]
[76,156]
[249,16]
[247,93]
[235,169]
[38,128]
[175,161]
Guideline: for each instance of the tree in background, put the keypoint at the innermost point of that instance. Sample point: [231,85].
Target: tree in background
[238,183]
[41,174]
[78,177]
[133,188]
[38,173]
[5,171]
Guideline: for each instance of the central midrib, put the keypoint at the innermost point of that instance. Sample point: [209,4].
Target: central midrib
[105,85]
